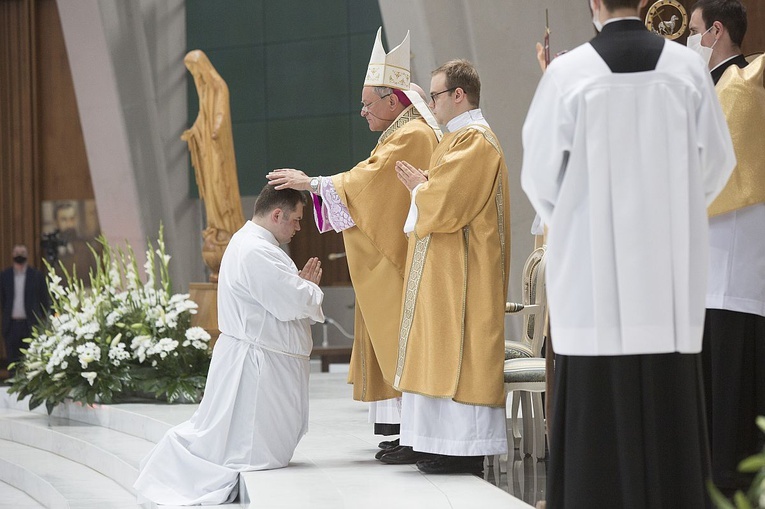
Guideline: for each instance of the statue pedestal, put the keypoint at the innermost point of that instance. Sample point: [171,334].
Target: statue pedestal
[206,296]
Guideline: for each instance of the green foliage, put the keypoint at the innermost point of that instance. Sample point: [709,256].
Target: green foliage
[754,498]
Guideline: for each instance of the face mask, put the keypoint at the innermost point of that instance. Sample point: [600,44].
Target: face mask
[596,17]
[20,259]
[694,43]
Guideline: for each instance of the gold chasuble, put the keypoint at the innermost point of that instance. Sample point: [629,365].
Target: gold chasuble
[451,342]
[376,249]
[742,96]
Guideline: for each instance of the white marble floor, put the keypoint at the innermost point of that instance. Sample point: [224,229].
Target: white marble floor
[333,466]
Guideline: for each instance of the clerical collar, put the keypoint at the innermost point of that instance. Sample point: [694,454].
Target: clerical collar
[262,232]
[469,117]
[613,20]
[724,62]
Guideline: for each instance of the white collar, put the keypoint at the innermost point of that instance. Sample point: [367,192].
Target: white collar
[612,20]
[724,61]
[261,232]
[469,117]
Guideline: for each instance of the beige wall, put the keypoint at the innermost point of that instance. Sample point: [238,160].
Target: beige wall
[498,36]
[131,95]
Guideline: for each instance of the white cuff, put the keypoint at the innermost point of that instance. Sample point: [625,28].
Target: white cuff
[411,219]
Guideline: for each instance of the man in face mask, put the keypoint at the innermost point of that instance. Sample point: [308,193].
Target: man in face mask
[625,145]
[733,350]
[23,298]
[717,29]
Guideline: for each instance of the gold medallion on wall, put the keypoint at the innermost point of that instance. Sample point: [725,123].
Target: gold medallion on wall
[667,18]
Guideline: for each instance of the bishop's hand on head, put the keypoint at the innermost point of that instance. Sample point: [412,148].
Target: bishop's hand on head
[289,178]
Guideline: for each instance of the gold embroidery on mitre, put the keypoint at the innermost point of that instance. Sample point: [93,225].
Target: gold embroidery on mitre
[389,69]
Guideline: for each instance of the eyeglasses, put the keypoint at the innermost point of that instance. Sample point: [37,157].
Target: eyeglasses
[433,95]
[365,107]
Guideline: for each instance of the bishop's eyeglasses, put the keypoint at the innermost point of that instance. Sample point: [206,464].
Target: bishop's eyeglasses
[365,107]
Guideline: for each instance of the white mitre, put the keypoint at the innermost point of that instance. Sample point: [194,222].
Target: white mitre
[391,69]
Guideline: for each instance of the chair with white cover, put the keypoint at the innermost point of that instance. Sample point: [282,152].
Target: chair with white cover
[524,365]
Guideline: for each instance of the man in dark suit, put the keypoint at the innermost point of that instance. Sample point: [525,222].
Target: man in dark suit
[23,298]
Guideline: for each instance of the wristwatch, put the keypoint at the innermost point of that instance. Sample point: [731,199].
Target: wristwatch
[314,183]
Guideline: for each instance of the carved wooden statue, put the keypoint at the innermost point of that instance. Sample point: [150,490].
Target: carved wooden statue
[211,144]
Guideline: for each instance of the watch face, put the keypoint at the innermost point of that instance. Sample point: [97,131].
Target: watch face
[667,18]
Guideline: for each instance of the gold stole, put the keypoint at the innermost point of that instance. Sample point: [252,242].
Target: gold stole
[742,96]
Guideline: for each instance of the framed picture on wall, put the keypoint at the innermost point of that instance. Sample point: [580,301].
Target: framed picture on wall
[68,227]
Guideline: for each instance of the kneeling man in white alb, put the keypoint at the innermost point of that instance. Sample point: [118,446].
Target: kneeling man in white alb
[255,407]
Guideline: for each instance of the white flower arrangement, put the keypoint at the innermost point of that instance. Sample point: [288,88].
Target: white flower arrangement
[124,336]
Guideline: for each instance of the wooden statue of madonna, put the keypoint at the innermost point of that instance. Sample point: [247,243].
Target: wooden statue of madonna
[211,144]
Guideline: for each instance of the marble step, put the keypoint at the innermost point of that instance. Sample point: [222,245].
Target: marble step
[148,421]
[11,497]
[58,482]
[111,453]
[111,440]
[16,484]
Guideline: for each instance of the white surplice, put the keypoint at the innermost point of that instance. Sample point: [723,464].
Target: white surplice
[255,407]
[635,191]
[737,261]
[443,426]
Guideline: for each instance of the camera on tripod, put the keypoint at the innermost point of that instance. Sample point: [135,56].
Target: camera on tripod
[49,245]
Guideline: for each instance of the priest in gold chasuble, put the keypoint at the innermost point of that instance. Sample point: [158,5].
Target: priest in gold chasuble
[451,341]
[369,205]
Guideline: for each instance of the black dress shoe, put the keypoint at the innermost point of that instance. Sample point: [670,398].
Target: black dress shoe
[404,455]
[451,465]
[383,452]
[388,444]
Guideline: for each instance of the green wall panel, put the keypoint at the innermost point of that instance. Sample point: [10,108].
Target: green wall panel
[251,158]
[292,144]
[294,69]
[289,20]
[307,78]
[215,24]
[243,69]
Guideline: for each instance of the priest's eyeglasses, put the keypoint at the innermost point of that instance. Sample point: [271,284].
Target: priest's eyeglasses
[365,107]
[433,95]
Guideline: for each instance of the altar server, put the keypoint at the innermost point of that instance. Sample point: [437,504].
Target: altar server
[625,145]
